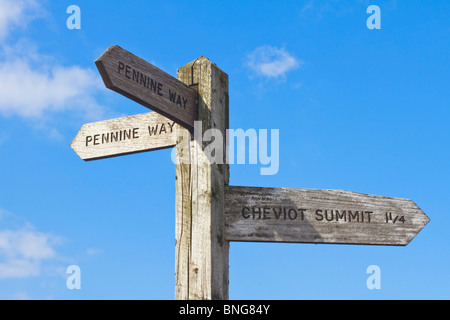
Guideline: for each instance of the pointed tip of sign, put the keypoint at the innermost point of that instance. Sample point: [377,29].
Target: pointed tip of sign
[103,72]
[77,142]
[420,219]
[74,146]
[425,218]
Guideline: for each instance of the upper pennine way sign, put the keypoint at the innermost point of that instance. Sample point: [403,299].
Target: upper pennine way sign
[148,85]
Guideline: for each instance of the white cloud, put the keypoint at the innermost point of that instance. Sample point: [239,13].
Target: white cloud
[24,249]
[318,10]
[93,251]
[30,92]
[33,85]
[271,62]
[16,13]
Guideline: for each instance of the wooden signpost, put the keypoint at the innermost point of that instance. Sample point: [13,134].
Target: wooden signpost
[209,212]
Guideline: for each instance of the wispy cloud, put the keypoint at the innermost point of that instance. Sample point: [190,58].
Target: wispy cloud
[271,62]
[320,9]
[30,91]
[93,251]
[23,249]
[16,13]
[35,85]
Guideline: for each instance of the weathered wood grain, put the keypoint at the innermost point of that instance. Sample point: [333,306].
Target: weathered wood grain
[148,85]
[201,270]
[121,136]
[319,216]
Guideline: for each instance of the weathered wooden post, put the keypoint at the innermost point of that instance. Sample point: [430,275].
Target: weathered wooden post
[201,270]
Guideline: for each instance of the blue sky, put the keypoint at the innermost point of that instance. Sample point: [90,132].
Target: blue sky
[357,109]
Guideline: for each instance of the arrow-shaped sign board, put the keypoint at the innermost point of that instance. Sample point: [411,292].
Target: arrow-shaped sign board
[148,85]
[109,138]
[319,216]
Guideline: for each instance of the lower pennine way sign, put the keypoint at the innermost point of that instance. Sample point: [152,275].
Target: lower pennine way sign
[139,133]
[319,216]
